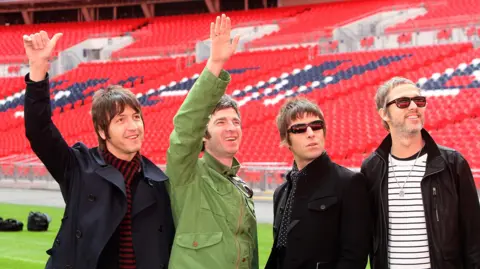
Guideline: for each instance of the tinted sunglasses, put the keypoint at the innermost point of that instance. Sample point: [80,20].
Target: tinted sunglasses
[242,186]
[404,102]
[302,127]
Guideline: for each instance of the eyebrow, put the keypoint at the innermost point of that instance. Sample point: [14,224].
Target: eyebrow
[225,118]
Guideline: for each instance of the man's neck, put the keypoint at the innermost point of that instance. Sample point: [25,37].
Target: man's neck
[120,155]
[302,163]
[404,146]
[227,161]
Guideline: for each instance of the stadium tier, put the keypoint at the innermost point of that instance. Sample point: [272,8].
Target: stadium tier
[11,46]
[447,13]
[343,84]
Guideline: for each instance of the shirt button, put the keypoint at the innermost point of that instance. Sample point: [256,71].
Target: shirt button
[322,207]
[195,244]
[78,234]
[91,197]
[243,260]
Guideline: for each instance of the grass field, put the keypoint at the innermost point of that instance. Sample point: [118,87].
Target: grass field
[26,250]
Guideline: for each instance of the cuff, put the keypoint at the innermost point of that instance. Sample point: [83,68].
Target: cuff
[37,89]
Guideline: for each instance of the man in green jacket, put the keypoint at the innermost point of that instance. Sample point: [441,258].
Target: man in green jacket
[212,208]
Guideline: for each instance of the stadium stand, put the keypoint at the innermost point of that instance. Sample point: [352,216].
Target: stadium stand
[342,83]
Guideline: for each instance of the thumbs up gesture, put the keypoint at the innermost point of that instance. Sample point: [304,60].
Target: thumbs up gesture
[39,48]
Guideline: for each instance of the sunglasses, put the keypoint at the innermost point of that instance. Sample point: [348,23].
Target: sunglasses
[242,186]
[404,102]
[302,127]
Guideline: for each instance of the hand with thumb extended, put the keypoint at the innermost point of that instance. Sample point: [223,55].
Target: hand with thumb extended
[39,46]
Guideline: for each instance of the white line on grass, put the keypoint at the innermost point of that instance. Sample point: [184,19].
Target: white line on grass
[23,259]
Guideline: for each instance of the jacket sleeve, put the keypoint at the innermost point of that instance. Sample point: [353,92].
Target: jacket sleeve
[277,195]
[469,214]
[255,261]
[363,171]
[189,125]
[44,137]
[355,225]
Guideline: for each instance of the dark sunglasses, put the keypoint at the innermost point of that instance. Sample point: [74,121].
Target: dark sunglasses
[242,186]
[404,102]
[302,127]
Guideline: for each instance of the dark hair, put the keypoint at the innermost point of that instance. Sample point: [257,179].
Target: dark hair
[225,102]
[294,109]
[106,104]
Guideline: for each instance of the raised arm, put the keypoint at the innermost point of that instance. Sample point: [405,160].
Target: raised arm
[45,139]
[191,120]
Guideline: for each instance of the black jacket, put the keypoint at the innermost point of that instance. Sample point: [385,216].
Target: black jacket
[95,197]
[330,222]
[452,212]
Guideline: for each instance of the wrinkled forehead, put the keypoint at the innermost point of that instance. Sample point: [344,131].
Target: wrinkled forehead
[226,113]
[404,90]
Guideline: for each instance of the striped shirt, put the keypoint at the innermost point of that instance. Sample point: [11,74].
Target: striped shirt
[407,230]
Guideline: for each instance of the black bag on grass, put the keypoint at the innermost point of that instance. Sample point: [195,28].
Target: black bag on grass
[38,222]
[10,225]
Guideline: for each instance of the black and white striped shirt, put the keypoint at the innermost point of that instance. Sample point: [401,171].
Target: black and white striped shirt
[407,231]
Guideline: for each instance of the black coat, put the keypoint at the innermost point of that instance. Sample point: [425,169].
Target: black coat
[95,197]
[452,211]
[330,222]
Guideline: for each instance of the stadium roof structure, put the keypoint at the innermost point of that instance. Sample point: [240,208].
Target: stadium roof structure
[38,5]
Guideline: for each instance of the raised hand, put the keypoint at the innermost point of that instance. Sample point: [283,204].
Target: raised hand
[222,46]
[39,48]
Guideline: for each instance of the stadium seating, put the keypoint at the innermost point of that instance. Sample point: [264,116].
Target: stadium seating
[11,46]
[343,84]
[448,13]
[177,34]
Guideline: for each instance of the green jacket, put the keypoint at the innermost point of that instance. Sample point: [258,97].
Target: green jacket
[215,222]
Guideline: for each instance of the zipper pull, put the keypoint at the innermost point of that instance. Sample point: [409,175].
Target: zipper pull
[435,202]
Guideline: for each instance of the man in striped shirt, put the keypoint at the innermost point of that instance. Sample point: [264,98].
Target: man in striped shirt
[425,204]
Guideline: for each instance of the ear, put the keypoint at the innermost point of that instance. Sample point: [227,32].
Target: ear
[102,134]
[285,144]
[383,114]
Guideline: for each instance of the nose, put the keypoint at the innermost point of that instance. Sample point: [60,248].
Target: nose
[310,132]
[230,126]
[132,125]
[412,105]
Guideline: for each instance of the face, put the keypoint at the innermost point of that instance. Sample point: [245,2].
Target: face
[309,145]
[126,134]
[225,132]
[407,120]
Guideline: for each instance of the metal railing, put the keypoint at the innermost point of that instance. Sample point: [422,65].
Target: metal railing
[263,177]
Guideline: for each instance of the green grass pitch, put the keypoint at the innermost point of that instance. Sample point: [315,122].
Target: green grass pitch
[26,250]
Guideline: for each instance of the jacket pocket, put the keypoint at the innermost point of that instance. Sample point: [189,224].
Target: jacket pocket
[322,204]
[198,240]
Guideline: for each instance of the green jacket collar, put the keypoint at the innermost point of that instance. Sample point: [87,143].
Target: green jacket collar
[219,167]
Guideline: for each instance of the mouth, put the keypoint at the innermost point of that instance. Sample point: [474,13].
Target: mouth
[312,145]
[132,137]
[413,116]
[231,139]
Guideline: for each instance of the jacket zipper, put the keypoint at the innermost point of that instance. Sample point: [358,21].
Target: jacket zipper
[435,206]
[240,218]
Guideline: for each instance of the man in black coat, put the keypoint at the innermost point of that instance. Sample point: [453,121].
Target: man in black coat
[321,213]
[425,204]
[117,213]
